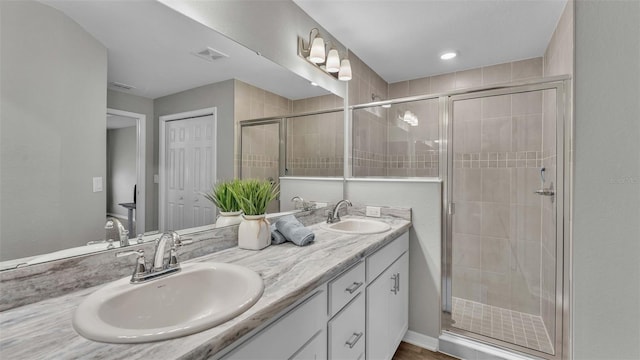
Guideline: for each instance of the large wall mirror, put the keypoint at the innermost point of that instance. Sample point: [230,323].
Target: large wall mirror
[88,87]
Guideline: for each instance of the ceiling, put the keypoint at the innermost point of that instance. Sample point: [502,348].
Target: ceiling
[402,40]
[119,122]
[150,47]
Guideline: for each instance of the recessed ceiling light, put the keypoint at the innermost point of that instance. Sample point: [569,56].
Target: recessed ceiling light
[448,56]
[313,84]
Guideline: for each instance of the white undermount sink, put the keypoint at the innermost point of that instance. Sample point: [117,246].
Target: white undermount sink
[199,297]
[358,226]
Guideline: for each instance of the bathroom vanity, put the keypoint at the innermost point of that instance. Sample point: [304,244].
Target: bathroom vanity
[344,296]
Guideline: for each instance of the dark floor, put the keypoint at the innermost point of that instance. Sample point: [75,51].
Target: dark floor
[407,351]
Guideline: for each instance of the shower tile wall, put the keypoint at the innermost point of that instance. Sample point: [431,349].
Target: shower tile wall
[368,152]
[259,155]
[497,226]
[315,143]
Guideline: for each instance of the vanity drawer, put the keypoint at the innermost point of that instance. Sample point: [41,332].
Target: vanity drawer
[384,257]
[345,288]
[287,335]
[346,331]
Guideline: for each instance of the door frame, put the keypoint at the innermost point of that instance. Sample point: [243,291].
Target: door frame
[564,128]
[141,164]
[162,171]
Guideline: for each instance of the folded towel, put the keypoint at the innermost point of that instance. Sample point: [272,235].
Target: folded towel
[294,231]
[276,237]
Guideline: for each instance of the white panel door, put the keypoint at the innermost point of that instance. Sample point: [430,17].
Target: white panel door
[190,164]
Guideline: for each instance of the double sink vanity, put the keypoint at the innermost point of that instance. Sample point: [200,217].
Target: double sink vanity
[342,297]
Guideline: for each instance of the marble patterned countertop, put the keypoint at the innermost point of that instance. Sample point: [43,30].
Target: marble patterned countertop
[43,330]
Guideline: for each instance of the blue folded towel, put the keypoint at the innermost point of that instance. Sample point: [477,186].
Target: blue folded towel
[294,231]
[276,237]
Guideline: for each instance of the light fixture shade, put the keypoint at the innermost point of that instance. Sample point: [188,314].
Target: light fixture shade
[316,55]
[345,70]
[333,61]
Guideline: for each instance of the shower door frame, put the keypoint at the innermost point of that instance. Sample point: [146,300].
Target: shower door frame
[564,129]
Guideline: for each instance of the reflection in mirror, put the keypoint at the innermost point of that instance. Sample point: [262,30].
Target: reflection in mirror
[62,172]
[397,140]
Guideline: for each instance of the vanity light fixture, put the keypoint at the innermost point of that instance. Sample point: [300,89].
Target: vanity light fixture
[315,52]
[448,55]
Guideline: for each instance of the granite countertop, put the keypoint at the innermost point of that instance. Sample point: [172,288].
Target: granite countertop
[43,330]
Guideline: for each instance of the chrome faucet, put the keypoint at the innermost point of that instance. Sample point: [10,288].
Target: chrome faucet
[113,230]
[162,265]
[114,225]
[334,216]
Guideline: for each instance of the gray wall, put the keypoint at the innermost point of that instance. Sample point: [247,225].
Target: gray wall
[141,105]
[121,168]
[424,242]
[219,95]
[606,238]
[52,131]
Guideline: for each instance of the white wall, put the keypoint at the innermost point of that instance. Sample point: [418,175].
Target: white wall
[121,168]
[606,240]
[424,199]
[52,131]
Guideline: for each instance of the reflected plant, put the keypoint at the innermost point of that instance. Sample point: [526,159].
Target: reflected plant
[224,195]
[255,195]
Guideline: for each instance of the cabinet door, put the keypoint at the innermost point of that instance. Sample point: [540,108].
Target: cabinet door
[399,302]
[378,304]
[316,349]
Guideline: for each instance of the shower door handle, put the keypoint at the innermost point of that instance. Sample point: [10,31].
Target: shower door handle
[545,192]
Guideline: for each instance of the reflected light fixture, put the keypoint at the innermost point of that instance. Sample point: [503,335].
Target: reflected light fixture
[410,118]
[314,51]
[448,55]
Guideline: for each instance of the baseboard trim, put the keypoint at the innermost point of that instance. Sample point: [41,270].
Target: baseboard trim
[424,341]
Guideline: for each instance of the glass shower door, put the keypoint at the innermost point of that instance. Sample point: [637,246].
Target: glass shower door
[260,143]
[504,244]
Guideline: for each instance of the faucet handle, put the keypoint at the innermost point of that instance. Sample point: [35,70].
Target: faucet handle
[173,253]
[141,265]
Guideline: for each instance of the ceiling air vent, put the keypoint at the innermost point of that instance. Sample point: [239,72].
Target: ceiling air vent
[210,54]
[122,86]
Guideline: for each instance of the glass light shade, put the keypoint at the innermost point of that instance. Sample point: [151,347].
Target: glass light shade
[316,55]
[345,70]
[333,61]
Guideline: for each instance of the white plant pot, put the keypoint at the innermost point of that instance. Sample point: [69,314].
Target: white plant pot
[254,232]
[228,218]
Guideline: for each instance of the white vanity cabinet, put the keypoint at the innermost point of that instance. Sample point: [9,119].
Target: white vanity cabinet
[387,299]
[360,314]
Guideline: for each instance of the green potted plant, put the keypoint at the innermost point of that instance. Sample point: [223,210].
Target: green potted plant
[254,197]
[224,195]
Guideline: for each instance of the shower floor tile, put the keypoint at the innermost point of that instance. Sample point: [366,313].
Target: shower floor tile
[502,324]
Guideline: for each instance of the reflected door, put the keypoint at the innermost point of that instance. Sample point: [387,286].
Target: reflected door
[502,223]
[190,165]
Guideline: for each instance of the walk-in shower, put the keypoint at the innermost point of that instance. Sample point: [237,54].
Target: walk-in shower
[500,152]
[504,195]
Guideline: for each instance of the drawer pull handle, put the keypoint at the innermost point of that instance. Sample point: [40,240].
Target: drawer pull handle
[354,339]
[355,286]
